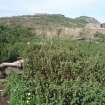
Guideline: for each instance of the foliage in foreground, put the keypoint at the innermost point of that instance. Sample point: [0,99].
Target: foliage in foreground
[29,92]
[61,72]
[13,41]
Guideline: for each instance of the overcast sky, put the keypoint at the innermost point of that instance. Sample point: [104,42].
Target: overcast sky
[69,8]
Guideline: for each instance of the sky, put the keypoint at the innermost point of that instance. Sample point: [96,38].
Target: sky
[69,8]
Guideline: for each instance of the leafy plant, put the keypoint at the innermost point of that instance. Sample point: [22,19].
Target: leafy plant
[60,72]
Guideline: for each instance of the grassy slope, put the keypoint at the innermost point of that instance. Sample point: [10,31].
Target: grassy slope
[47,20]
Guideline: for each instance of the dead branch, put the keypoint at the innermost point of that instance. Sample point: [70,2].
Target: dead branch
[16,64]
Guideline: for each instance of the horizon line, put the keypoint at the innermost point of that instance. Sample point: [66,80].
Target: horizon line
[35,14]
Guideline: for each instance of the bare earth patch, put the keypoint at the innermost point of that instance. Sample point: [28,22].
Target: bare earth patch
[3,99]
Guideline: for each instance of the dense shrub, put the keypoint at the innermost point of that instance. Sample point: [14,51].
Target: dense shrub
[13,40]
[29,92]
[61,72]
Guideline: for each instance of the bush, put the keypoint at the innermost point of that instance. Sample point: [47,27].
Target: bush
[29,92]
[61,72]
[13,41]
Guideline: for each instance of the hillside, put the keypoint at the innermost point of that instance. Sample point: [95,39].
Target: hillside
[85,19]
[48,20]
[50,25]
[51,71]
[17,31]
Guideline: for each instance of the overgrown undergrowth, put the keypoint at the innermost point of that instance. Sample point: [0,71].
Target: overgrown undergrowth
[60,72]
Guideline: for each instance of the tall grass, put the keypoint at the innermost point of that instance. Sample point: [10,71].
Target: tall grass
[61,72]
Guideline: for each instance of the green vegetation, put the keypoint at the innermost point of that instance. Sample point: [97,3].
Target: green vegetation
[85,20]
[60,72]
[13,41]
[57,71]
[49,21]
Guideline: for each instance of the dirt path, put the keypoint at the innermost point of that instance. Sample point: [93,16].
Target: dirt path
[3,99]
